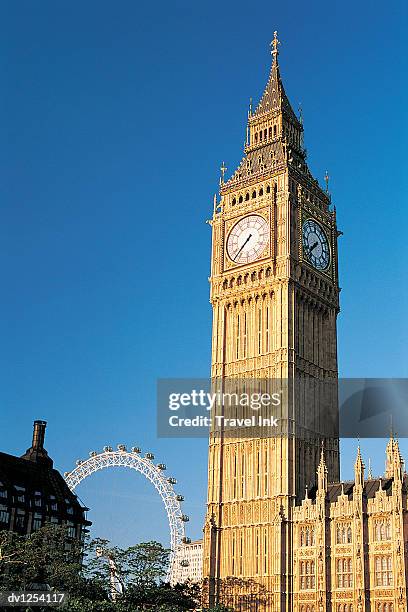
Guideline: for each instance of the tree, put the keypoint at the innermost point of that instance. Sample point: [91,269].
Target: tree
[139,576]
[142,565]
[84,571]
[47,555]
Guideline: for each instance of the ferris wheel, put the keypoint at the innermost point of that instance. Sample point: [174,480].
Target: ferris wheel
[110,458]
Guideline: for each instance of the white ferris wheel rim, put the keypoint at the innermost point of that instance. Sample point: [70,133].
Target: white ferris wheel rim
[146,467]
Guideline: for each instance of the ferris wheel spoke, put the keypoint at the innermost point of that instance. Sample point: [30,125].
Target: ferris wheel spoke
[145,466]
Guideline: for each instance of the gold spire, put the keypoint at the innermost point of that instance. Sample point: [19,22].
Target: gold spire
[274,97]
[322,472]
[359,469]
[275,44]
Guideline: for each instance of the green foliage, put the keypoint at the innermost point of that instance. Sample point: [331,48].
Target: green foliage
[49,557]
[44,556]
[142,565]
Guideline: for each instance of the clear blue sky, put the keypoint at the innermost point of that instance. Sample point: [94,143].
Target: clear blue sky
[114,120]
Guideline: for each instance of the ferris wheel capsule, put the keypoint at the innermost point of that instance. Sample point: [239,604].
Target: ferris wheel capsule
[136,449]
[186,540]
[154,473]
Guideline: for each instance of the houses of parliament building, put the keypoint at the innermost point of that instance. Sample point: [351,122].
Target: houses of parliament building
[282,533]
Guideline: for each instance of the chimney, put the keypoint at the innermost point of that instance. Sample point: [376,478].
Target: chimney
[39,435]
[37,452]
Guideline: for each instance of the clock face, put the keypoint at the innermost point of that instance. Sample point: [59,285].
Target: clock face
[315,245]
[247,239]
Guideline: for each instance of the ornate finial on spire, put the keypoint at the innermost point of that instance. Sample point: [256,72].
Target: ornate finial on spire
[390,455]
[326,180]
[307,492]
[300,113]
[370,473]
[322,472]
[250,108]
[398,462]
[359,469]
[275,44]
[223,171]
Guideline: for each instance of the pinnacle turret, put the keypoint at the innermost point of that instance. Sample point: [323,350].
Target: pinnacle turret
[389,453]
[359,468]
[322,481]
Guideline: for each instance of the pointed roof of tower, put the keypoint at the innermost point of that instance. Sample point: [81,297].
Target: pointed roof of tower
[274,97]
[322,462]
[322,472]
[389,452]
[398,461]
[397,450]
[359,469]
[359,460]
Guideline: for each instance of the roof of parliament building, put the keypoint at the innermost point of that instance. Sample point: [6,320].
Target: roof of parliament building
[368,487]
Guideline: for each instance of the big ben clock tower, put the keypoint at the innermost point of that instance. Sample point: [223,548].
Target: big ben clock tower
[274,292]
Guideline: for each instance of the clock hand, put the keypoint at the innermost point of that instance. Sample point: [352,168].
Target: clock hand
[247,240]
[313,247]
